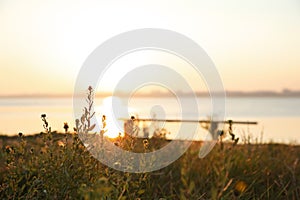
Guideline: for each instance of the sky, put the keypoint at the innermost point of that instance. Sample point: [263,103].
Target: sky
[254,44]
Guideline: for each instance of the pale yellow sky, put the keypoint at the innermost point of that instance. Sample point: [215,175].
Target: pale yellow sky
[255,44]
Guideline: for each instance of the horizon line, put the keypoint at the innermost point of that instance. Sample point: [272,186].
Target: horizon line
[237,93]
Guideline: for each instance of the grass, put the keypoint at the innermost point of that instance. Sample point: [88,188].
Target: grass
[53,165]
[60,167]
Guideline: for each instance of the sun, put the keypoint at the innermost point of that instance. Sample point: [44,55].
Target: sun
[113,109]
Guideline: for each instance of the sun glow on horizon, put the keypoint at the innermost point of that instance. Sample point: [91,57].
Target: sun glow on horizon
[113,109]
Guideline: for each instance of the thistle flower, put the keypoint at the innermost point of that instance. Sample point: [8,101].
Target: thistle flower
[66,126]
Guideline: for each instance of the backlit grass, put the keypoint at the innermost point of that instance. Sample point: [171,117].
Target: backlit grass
[59,166]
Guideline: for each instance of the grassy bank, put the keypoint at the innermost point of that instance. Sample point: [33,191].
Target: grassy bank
[58,166]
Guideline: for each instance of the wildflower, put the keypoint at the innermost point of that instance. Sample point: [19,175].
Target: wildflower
[240,187]
[66,126]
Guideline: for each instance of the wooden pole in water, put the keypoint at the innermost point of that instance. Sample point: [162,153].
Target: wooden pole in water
[194,121]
